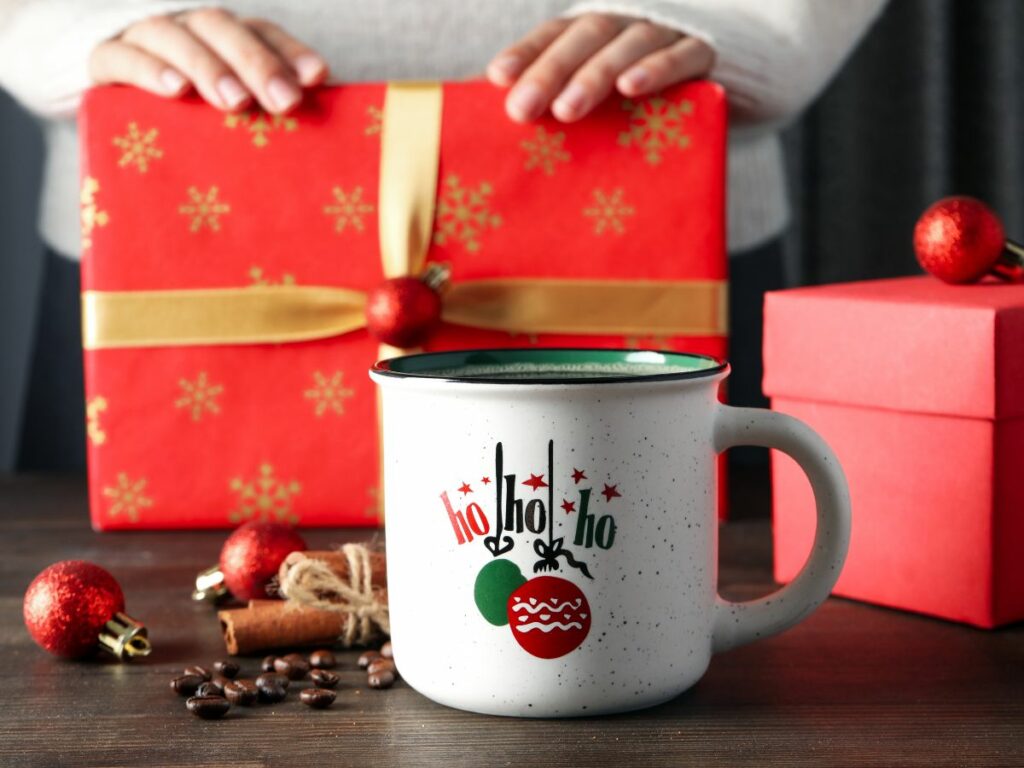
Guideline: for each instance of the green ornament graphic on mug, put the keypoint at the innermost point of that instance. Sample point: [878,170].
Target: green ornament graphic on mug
[562,501]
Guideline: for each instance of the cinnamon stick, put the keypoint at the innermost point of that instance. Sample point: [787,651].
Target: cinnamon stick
[272,624]
[338,562]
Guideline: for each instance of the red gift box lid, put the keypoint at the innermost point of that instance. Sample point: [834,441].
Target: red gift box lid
[908,344]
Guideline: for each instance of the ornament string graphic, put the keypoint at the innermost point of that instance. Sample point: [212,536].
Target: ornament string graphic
[494,543]
[553,549]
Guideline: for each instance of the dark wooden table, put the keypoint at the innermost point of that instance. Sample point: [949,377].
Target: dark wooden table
[854,685]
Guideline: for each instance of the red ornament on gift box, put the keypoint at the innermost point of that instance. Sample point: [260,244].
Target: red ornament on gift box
[403,311]
[74,607]
[960,240]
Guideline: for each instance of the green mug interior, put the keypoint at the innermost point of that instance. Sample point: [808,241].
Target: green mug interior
[551,365]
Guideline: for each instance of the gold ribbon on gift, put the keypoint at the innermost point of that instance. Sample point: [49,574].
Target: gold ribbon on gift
[408,183]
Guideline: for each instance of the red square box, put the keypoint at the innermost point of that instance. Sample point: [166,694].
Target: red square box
[919,388]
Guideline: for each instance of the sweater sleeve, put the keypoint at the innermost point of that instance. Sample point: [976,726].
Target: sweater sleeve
[45,45]
[772,56]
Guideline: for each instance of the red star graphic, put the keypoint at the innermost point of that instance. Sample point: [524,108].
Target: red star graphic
[568,506]
[535,481]
[610,491]
[577,475]
[485,480]
[464,488]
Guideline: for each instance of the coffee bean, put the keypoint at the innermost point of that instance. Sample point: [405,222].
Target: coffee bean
[322,660]
[228,669]
[208,707]
[209,689]
[272,688]
[386,652]
[323,678]
[203,672]
[379,665]
[186,685]
[385,678]
[241,692]
[267,665]
[317,698]
[367,658]
[292,666]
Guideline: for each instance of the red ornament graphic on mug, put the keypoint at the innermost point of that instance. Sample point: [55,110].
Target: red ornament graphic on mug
[549,616]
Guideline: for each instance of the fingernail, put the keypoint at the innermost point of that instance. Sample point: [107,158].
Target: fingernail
[283,94]
[171,81]
[524,102]
[506,67]
[634,80]
[309,66]
[231,91]
[570,102]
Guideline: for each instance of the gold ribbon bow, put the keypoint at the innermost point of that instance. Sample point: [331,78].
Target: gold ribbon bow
[408,183]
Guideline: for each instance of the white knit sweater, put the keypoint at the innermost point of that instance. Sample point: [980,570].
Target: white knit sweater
[772,56]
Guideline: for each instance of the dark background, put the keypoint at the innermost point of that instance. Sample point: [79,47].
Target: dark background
[931,104]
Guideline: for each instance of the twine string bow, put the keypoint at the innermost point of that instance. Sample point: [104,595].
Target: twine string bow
[312,582]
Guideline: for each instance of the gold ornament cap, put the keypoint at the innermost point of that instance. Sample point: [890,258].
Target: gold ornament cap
[210,587]
[125,638]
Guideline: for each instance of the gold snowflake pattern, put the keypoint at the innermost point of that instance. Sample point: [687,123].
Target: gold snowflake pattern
[260,124]
[204,208]
[259,278]
[656,125]
[648,342]
[609,211]
[264,498]
[348,209]
[138,148]
[376,123]
[127,498]
[328,393]
[545,151]
[92,216]
[199,397]
[463,213]
[93,428]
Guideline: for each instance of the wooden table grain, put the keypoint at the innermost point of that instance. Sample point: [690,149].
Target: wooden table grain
[852,686]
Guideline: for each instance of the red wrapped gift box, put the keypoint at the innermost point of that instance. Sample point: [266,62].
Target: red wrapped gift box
[227,258]
[919,388]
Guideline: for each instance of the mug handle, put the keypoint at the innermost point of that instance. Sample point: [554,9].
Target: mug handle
[739,623]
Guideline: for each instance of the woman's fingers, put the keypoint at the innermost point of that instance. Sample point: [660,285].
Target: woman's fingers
[546,77]
[168,40]
[510,63]
[683,60]
[308,65]
[594,80]
[266,75]
[116,61]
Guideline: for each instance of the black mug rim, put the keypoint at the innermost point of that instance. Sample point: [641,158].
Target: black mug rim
[419,365]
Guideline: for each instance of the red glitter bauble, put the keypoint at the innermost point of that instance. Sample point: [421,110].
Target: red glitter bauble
[67,605]
[252,554]
[958,239]
[402,311]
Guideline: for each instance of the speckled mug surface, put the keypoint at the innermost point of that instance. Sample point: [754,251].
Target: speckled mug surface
[551,529]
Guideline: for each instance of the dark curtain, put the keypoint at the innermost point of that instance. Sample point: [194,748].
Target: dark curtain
[931,104]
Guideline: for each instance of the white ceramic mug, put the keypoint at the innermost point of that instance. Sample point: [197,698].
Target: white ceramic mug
[551,527]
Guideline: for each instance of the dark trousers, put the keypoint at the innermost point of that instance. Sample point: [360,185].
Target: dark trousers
[53,434]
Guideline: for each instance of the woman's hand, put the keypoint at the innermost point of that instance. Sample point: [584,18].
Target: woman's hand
[229,60]
[572,65]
